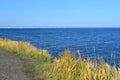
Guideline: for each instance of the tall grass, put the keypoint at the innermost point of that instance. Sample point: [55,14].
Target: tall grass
[67,67]
[24,49]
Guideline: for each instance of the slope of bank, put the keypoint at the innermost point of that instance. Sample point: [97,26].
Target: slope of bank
[66,67]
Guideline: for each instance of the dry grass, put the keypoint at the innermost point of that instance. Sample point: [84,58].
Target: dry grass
[24,49]
[67,67]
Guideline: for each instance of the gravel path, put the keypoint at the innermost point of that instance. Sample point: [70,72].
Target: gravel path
[11,67]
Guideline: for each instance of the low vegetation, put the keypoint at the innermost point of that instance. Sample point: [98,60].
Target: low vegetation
[40,66]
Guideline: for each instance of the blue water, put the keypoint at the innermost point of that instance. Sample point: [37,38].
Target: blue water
[92,42]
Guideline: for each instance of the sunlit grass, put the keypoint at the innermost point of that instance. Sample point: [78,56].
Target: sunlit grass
[24,49]
[66,67]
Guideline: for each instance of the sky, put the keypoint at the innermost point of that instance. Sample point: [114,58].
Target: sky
[59,13]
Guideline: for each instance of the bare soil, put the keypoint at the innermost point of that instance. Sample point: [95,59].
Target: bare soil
[11,67]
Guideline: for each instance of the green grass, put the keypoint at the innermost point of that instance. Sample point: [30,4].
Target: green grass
[40,66]
[24,50]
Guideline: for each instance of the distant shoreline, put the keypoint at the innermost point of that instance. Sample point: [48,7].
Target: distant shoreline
[34,27]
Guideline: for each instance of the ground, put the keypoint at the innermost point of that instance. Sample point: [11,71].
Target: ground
[11,67]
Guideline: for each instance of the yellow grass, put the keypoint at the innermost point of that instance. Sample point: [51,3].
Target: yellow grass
[24,49]
[67,67]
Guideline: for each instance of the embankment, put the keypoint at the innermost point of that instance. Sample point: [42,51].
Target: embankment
[40,65]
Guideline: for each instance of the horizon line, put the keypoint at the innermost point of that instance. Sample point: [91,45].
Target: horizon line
[53,27]
[10,26]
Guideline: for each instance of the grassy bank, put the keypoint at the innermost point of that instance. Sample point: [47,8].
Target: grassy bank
[40,66]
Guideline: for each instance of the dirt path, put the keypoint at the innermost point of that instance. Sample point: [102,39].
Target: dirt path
[11,67]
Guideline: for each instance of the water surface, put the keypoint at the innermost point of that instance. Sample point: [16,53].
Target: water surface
[91,42]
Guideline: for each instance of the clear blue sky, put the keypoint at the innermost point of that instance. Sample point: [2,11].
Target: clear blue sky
[60,13]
